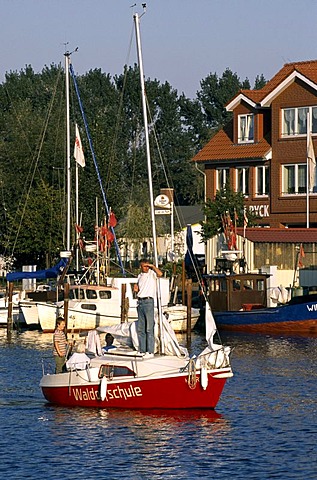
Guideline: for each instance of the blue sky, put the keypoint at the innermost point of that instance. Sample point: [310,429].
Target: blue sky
[183,41]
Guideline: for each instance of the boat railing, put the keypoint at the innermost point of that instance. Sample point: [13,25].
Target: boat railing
[215,359]
[48,367]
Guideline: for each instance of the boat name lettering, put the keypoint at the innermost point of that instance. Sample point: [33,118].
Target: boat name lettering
[124,392]
[312,308]
[112,394]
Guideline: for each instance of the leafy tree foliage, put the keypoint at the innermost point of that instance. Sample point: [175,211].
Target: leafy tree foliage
[33,151]
[259,82]
[217,91]
[36,233]
[226,202]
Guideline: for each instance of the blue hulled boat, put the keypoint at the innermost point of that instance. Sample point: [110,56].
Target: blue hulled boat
[299,316]
[238,303]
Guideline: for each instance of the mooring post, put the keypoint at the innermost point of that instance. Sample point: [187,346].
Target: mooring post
[124,305]
[189,290]
[10,320]
[183,283]
[66,303]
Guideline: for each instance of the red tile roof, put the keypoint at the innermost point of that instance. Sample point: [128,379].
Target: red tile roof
[307,68]
[280,235]
[220,147]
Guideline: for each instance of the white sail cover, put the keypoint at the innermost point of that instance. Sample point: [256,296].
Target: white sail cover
[126,335]
[216,355]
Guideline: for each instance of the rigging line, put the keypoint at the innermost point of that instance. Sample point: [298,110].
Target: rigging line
[32,177]
[119,119]
[25,137]
[36,163]
[26,141]
[168,180]
[60,184]
[96,166]
[179,216]
[167,175]
[133,171]
[27,178]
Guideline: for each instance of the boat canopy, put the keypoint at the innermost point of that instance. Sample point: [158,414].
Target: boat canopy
[52,272]
[126,335]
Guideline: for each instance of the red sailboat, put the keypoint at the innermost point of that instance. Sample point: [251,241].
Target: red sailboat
[124,378]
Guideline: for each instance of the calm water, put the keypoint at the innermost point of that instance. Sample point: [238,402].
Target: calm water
[265,426]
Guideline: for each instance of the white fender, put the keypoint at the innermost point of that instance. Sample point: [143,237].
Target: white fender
[103,388]
[204,377]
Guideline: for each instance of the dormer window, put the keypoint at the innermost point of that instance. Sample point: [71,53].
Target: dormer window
[246,128]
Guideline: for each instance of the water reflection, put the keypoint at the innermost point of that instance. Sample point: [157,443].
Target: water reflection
[264,427]
[151,418]
[34,339]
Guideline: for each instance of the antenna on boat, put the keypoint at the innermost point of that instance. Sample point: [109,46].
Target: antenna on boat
[144,9]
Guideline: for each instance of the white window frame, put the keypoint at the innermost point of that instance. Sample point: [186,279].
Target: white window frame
[222,177]
[245,187]
[295,166]
[295,124]
[263,171]
[246,128]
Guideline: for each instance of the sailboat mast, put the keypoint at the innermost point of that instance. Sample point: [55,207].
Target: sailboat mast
[146,129]
[67,63]
[149,168]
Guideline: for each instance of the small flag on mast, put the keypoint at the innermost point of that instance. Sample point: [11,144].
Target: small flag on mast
[78,150]
[245,221]
[311,162]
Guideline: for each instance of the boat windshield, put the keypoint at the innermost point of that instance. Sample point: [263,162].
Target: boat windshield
[111,371]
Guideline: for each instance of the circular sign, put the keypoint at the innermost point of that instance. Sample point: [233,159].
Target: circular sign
[162,201]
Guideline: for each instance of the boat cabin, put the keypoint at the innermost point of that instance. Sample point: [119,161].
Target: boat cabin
[241,291]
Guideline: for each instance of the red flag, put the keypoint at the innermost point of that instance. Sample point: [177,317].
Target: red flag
[112,220]
[79,228]
[110,237]
[301,256]
[103,231]
[245,221]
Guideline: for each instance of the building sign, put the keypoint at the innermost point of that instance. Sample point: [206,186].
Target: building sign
[260,210]
[162,201]
[163,212]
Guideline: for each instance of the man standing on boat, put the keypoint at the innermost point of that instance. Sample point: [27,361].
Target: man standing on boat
[60,345]
[146,293]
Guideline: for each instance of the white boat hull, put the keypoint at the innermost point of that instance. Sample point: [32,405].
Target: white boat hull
[158,382]
[100,306]
[4,316]
[29,313]
[84,319]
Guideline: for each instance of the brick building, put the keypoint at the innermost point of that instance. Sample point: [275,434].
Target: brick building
[262,152]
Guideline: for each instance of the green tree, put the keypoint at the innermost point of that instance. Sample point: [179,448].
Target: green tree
[226,202]
[33,153]
[259,82]
[35,234]
[215,93]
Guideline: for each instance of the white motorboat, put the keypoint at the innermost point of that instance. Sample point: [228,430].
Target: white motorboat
[92,306]
[4,302]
